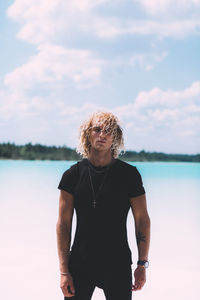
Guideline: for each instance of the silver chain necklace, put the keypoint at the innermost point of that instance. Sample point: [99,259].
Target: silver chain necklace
[100,187]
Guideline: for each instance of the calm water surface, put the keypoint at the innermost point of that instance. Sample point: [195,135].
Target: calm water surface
[28,214]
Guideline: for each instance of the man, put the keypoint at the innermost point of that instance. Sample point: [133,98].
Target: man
[102,189]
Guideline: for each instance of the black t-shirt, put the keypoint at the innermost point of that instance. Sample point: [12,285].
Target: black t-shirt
[101,233]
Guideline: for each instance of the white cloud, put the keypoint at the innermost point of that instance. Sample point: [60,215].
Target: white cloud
[147,61]
[45,21]
[155,115]
[163,118]
[164,106]
[158,120]
[111,28]
[170,99]
[55,63]
[18,106]
[166,6]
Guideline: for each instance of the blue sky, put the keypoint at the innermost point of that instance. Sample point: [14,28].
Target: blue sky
[62,60]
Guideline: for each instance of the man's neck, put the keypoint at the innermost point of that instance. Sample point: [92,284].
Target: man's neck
[100,159]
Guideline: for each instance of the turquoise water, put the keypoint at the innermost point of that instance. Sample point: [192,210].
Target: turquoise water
[28,214]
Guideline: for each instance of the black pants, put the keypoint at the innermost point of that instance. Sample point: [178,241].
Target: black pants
[116,284]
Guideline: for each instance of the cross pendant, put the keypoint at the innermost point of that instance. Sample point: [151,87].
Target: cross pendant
[94,202]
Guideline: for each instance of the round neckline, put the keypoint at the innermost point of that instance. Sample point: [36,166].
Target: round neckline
[101,168]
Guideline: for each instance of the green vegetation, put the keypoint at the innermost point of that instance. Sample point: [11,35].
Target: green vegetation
[159,156]
[37,151]
[41,152]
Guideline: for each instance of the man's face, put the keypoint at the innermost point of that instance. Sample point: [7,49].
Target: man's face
[100,138]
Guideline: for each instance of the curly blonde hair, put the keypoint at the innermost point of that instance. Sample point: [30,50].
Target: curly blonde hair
[110,123]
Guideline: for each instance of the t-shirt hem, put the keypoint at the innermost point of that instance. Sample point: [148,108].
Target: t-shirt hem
[137,194]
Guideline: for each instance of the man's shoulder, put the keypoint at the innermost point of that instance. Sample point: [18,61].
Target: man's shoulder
[125,165]
[74,166]
[78,163]
[126,169]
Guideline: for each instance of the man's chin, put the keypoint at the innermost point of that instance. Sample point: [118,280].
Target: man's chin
[100,145]
[100,148]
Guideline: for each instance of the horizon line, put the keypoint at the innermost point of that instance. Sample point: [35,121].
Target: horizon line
[126,150]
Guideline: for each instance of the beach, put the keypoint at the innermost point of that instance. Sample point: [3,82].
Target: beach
[28,216]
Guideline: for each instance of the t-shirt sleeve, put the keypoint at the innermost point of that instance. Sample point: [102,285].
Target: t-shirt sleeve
[68,180]
[135,184]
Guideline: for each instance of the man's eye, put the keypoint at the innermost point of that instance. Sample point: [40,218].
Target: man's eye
[97,129]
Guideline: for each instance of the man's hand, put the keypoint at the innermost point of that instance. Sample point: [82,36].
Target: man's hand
[67,285]
[140,278]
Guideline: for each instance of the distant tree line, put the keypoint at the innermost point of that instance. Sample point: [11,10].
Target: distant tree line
[37,151]
[159,156]
[41,152]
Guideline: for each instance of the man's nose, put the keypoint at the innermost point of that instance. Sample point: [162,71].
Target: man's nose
[102,132]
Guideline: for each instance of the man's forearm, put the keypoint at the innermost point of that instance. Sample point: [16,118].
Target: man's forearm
[63,245]
[142,228]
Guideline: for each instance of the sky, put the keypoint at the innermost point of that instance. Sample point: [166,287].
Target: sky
[62,60]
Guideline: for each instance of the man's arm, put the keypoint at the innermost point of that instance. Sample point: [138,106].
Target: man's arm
[63,230]
[142,231]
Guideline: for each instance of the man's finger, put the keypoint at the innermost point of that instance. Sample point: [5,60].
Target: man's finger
[68,294]
[70,289]
[142,283]
[137,286]
[67,291]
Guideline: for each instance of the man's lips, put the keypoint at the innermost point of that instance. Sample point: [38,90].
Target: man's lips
[101,142]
